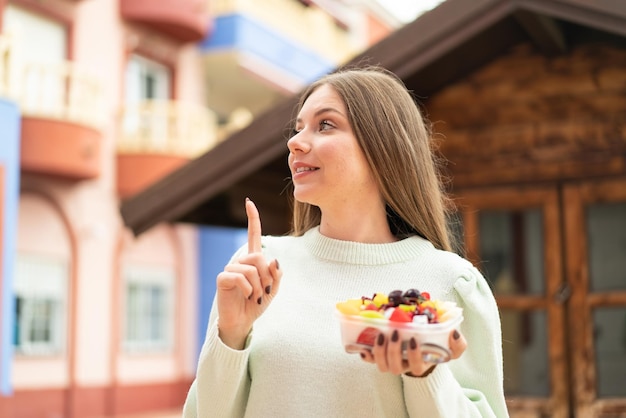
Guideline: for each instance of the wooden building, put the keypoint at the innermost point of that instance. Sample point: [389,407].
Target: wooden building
[528,104]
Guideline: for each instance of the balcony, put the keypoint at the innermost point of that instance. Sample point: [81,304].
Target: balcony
[61,109]
[158,137]
[185,20]
[310,27]
[260,52]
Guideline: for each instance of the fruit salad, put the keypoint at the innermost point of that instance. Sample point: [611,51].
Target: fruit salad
[398,306]
[412,313]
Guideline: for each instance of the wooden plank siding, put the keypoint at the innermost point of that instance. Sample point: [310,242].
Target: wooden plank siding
[533,130]
[530,118]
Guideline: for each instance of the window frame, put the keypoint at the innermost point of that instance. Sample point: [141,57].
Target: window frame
[147,279]
[29,288]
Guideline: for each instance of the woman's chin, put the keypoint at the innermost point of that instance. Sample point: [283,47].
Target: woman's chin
[304,197]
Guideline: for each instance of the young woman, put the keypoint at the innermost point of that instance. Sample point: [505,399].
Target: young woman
[369,216]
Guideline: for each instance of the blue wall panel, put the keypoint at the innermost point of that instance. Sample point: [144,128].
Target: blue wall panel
[246,35]
[216,247]
[9,160]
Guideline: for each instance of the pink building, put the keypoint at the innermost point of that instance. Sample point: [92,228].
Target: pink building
[90,315]
[98,100]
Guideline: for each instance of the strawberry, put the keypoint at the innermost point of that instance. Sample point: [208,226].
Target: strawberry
[399,315]
[367,336]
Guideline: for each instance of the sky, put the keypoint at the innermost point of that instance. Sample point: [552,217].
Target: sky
[407,10]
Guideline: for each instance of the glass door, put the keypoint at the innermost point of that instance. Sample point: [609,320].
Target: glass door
[513,235]
[595,248]
[148,93]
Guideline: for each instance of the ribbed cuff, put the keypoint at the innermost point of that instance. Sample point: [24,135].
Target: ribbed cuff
[427,386]
[421,376]
[216,352]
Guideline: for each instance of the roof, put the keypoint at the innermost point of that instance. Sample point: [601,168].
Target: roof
[438,48]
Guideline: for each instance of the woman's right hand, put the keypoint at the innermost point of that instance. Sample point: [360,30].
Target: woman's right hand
[246,286]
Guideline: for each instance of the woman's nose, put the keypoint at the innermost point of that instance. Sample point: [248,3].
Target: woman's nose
[298,142]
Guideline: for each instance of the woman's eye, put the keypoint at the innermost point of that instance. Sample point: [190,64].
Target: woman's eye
[293,133]
[325,124]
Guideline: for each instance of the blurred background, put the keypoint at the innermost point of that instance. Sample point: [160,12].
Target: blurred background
[132,130]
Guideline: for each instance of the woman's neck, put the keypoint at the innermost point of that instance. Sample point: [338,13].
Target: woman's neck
[367,225]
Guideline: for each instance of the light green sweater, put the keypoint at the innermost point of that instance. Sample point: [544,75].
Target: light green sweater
[295,366]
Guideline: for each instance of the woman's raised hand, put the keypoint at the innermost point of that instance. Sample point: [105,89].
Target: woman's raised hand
[246,286]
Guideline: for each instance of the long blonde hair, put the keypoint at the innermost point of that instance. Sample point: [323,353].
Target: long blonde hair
[396,142]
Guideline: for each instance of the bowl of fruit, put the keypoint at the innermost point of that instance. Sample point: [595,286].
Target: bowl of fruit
[412,313]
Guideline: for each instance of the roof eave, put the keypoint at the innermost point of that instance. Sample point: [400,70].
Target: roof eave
[406,52]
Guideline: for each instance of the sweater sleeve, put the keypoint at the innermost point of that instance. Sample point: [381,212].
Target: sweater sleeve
[222,381]
[471,386]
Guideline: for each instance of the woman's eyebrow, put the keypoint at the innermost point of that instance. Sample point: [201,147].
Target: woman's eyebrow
[322,111]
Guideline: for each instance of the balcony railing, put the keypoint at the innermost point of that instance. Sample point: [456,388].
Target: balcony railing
[60,91]
[62,112]
[308,25]
[167,127]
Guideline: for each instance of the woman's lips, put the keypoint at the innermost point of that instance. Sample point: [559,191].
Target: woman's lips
[300,169]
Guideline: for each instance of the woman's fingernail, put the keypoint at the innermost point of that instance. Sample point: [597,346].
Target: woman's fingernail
[247,199]
[259,300]
[381,339]
[456,335]
[268,289]
[394,336]
[277,265]
[413,343]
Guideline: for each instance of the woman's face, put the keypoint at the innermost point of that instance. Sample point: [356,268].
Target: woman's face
[328,168]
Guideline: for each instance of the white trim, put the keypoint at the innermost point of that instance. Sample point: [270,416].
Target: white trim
[151,285]
[41,296]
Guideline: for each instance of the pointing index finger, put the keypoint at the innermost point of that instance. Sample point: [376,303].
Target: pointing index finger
[254,227]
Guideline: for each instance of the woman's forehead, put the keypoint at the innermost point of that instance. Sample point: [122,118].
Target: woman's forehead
[323,97]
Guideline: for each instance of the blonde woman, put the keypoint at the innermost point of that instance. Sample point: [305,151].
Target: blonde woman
[369,216]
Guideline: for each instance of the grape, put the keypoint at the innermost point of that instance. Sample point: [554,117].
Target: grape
[395,298]
[412,294]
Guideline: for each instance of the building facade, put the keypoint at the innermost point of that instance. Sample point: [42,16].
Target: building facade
[527,103]
[98,100]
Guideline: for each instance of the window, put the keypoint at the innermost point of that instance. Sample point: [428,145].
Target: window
[40,305]
[146,80]
[147,95]
[149,308]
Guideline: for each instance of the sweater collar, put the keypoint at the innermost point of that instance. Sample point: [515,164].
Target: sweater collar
[351,252]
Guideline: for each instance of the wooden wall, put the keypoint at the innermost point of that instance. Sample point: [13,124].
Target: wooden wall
[529,118]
